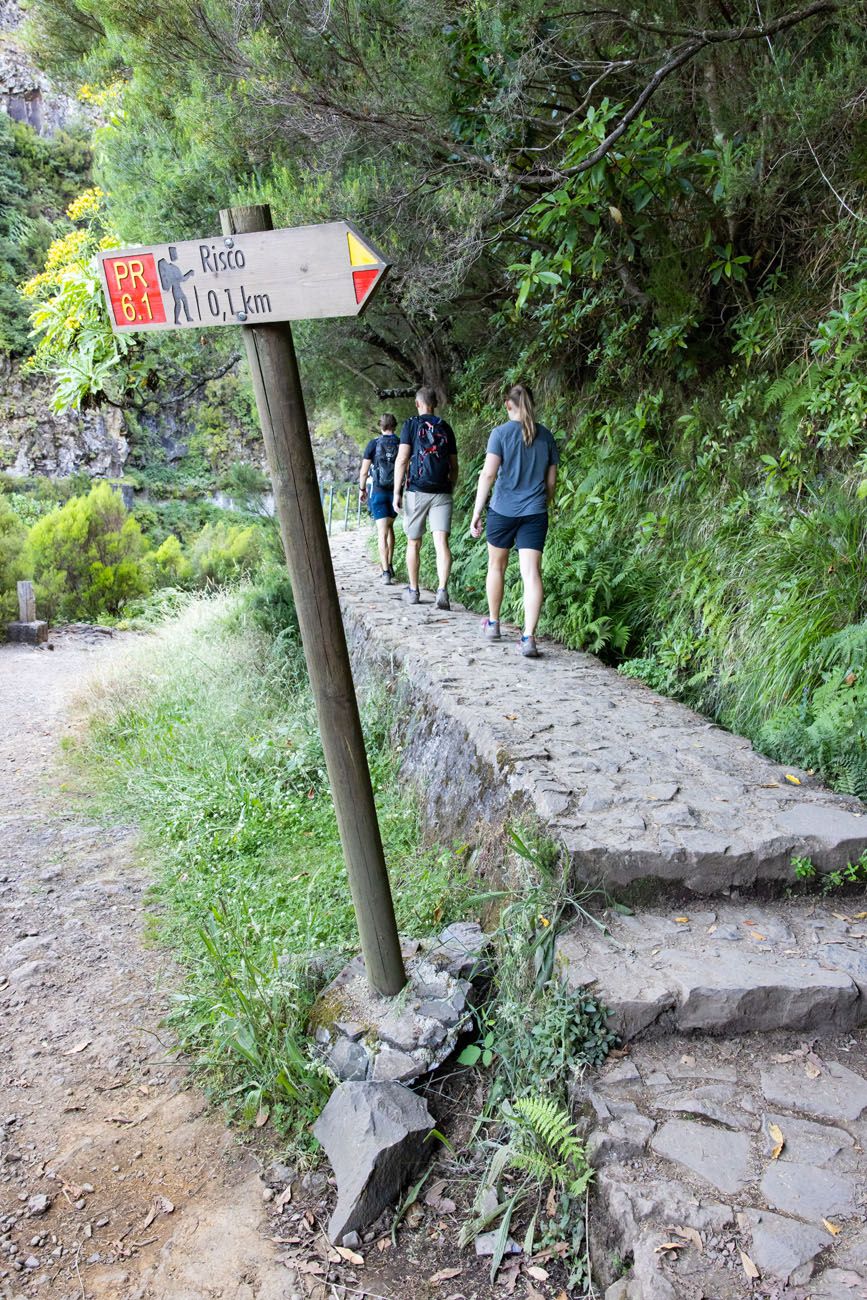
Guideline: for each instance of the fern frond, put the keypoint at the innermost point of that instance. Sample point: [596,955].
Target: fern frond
[551,1126]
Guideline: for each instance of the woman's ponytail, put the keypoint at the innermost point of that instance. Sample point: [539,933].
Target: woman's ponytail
[521,397]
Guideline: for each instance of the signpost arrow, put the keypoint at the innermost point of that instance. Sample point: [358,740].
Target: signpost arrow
[248,278]
[263,278]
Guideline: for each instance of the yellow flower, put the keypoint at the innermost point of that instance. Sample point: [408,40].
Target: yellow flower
[87,204]
[544,921]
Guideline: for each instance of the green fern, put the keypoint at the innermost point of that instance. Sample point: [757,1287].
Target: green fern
[782,388]
[546,1145]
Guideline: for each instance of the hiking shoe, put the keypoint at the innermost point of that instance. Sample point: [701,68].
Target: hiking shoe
[442,598]
[528,647]
[390,572]
[411,595]
[386,578]
[491,629]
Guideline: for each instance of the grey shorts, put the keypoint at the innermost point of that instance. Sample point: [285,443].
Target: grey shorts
[433,506]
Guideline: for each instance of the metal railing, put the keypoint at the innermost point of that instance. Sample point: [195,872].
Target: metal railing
[345,497]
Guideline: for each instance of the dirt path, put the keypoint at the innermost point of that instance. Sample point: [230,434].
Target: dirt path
[115,1182]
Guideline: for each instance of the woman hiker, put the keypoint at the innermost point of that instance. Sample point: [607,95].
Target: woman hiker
[521,461]
[378,464]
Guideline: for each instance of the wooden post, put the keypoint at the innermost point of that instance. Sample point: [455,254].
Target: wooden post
[346,512]
[279,397]
[358,515]
[26,603]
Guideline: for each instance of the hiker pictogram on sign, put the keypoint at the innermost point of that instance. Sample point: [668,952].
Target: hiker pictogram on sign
[172,278]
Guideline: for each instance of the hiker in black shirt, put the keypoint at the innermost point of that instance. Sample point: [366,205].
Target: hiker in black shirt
[376,485]
[429,453]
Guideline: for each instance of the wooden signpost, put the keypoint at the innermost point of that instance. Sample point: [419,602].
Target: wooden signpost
[263,278]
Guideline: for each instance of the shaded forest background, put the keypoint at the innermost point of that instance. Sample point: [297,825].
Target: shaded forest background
[655,217]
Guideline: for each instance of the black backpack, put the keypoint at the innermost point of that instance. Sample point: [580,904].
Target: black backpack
[384,457]
[430,470]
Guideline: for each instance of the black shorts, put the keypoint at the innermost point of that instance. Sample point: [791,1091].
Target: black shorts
[525,533]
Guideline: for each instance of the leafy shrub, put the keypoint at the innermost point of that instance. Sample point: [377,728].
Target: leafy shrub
[86,557]
[12,538]
[168,565]
[224,553]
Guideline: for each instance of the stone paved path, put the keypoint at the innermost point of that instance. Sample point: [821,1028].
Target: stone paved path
[734,1120]
[747,1145]
[635,785]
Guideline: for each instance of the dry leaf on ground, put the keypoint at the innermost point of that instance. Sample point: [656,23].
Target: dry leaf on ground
[540,1274]
[351,1256]
[749,1267]
[670,1245]
[284,1198]
[776,1135]
[79,1047]
[682,920]
[444,1275]
[691,1235]
[436,1200]
[832,1228]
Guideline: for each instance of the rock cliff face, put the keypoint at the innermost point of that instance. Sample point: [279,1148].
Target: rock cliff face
[34,440]
[25,93]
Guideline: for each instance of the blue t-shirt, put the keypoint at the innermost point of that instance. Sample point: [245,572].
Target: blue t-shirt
[520,486]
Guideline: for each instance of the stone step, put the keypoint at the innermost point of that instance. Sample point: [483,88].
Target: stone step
[637,787]
[752,1145]
[737,968]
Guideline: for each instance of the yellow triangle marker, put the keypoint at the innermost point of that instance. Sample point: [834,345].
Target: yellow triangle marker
[359,254]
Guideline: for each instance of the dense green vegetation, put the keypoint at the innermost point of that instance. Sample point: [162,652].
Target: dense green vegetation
[657,218]
[89,558]
[39,178]
[206,737]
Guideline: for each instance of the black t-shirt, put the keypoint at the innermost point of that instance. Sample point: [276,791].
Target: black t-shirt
[409,438]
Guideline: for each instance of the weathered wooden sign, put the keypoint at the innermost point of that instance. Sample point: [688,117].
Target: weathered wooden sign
[246,279]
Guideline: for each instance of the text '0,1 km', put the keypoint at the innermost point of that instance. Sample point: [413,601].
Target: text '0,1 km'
[303,273]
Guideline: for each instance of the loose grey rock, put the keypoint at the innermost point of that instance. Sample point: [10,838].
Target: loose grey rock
[459,949]
[277,1175]
[721,1159]
[780,1246]
[374,1135]
[837,1094]
[351,1241]
[392,1066]
[486,1244]
[38,1204]
[348,1060]
[443,1011]
[808,1191]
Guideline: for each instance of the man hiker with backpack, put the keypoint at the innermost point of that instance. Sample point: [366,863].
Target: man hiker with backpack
[429,453]
[377,469]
